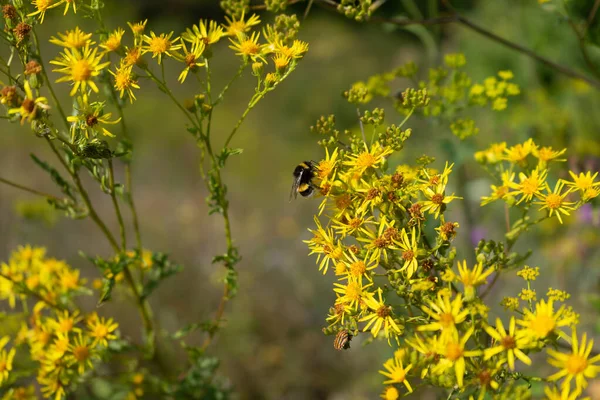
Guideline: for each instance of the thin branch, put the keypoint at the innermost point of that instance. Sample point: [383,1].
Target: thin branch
[584,52]
[457,18]
[30,190]
[558,67]
[592,15]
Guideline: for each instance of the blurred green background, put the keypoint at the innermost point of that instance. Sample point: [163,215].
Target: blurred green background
[272,346]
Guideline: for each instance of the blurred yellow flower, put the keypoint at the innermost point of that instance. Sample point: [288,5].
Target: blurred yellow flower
[73,39]
[235,26]
[576,365]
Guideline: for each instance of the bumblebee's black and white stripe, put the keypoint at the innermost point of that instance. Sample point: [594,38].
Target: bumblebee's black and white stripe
[342,340]
[303,176]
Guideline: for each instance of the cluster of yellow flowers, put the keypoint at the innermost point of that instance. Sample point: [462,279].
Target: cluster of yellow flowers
[389,245]
[83,62]
[532,164]
[63,341]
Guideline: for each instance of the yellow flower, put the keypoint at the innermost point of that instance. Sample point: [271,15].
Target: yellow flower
[66,322]
[546,154]
[576,365]
[159,45]
[101,330]
[358,268]
[41,7]
[30,105]
[190,58]
[585,183]
[500,192]
[527,295]
[455,353]
[326,167]
[21,393]
[445,313]
[296,50]
[281,62]
[471,278]
[368,158]
[530,186]
[209,32]
[353,293]
[247,46]
[390,393]
[528,273]
[506,75]
[379,243]
[436,200]
[324,244]
[68,4]
[381,316]
[544,321]
[137,28]
[510,342]
[410,250]
[113,41]
[133,56]
[431,349]
[81,352]
[6,360]
[80,66]
[565,394]
[557,295]
[518,154]
[235,27]
[124,81]
[499,103]
[396,372]
[554,201]
[89,118]
[74,39]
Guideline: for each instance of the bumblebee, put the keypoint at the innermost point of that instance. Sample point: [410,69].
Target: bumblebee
[303,176]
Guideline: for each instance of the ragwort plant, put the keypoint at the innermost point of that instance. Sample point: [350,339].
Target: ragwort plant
[52,340]
[382,232]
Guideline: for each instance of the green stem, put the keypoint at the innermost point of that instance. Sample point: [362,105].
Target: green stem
[45,74]
[143,306]
[25,188]
[113,196]
[254,101]
[412,110]
[162,85]
[226,88]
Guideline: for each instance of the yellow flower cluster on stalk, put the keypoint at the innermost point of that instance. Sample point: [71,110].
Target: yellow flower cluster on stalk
[54,334]
[382,232]
[531,163]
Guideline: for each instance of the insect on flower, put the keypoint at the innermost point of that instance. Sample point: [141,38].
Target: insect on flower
[303,176]
[342,340]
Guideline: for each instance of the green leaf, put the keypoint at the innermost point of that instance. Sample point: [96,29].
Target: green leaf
[225,153]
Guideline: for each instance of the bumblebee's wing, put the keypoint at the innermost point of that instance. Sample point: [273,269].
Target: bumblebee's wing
[294,191]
